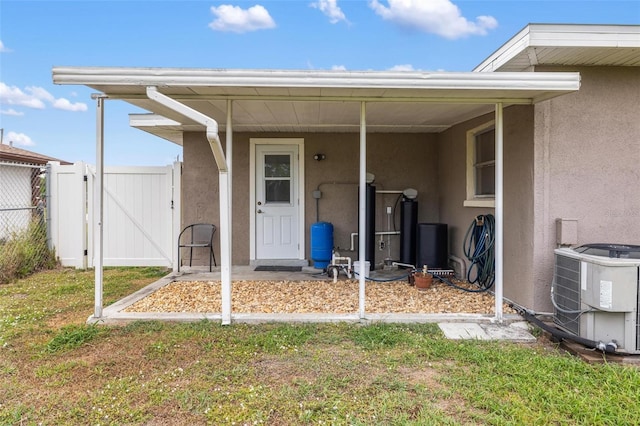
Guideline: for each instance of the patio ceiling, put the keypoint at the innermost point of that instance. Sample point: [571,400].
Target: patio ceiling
[316,101]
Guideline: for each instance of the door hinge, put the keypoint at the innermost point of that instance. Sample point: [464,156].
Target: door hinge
[172,204]
[86,252]
[85,178]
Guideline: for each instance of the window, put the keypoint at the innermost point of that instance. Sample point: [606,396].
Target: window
[481,166]
[277,178]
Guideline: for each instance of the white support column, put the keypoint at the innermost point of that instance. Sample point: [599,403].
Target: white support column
[98,207]
[362,208]
[225,247]
[226,244]
[499,214]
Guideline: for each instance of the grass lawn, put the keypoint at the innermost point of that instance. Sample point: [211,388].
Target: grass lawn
[56,370]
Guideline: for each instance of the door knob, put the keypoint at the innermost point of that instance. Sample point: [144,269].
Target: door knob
[259,211]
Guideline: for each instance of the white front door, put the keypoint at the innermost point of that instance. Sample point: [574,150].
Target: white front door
[277,204]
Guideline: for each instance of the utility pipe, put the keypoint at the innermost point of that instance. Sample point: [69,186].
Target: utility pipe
[223,182]
[388,191]
[355,234]
[463,264]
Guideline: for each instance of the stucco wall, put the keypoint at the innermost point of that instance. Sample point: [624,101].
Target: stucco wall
[398,161]
[587,153]
[518,196]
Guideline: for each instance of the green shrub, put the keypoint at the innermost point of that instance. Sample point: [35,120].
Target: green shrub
[26,252]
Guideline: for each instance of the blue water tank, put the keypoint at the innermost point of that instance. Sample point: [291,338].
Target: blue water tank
[321,244]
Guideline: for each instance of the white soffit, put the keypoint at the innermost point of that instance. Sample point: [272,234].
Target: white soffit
[567,45]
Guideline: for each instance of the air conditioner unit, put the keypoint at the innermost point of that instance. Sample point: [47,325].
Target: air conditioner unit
[596,293]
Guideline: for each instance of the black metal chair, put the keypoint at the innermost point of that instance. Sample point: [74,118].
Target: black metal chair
[199,235]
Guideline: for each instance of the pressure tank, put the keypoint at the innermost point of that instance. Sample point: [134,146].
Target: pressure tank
[321,244]
[432,246]
[408,230]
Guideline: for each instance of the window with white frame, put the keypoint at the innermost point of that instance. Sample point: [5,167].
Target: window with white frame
[481,166]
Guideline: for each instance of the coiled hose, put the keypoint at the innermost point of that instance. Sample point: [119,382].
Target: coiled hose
[478,246]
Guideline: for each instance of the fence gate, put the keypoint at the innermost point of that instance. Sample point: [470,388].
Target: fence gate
[140,221]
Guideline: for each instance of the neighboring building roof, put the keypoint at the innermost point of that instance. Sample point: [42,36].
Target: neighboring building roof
[17,155]
[567,44]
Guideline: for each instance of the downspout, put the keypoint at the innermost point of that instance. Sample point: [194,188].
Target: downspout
[223,181]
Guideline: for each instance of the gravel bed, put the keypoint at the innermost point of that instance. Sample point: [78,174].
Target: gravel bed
[314,296]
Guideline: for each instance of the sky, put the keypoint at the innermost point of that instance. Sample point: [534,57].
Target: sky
[418,35]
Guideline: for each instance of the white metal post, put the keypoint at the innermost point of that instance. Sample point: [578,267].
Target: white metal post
[499,214]
[362,208]
[225,247]
[176,205]
[98,206]
[225,224]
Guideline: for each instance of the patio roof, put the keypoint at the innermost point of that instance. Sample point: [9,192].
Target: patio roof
[309,101]
[316,101]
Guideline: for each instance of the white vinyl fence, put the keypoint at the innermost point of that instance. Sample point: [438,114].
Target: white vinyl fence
[141,216]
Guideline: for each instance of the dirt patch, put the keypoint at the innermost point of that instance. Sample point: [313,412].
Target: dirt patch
[315,297]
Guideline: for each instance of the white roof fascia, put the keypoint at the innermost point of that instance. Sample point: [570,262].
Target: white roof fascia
[562,35]
[180,77]
[151,120]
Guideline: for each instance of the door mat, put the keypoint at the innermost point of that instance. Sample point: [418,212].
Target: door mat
[276,268]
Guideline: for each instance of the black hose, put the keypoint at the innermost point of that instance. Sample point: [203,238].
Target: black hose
[478,247]
[468,290]
[609,348]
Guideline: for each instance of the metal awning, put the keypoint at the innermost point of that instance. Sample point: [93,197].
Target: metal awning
[316,101]
[308,101]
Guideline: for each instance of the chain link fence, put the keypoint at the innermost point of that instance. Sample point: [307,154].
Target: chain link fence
[23,221]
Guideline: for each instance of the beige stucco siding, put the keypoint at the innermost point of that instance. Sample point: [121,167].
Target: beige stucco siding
[398,161]
[518,197]
[587,151]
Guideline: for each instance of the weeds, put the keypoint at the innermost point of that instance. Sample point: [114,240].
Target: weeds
[25,252]
[73,336]
[54,369]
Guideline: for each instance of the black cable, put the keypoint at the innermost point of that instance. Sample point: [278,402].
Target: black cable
[562,335]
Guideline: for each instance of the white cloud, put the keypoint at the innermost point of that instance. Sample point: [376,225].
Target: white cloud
[11,95]
[19,139]
[62,103]
[35,97]
[238,20]
[11,111]
[402,67]
[339,68]
[331,9]
[439,17]
[40,93]
[3,48]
